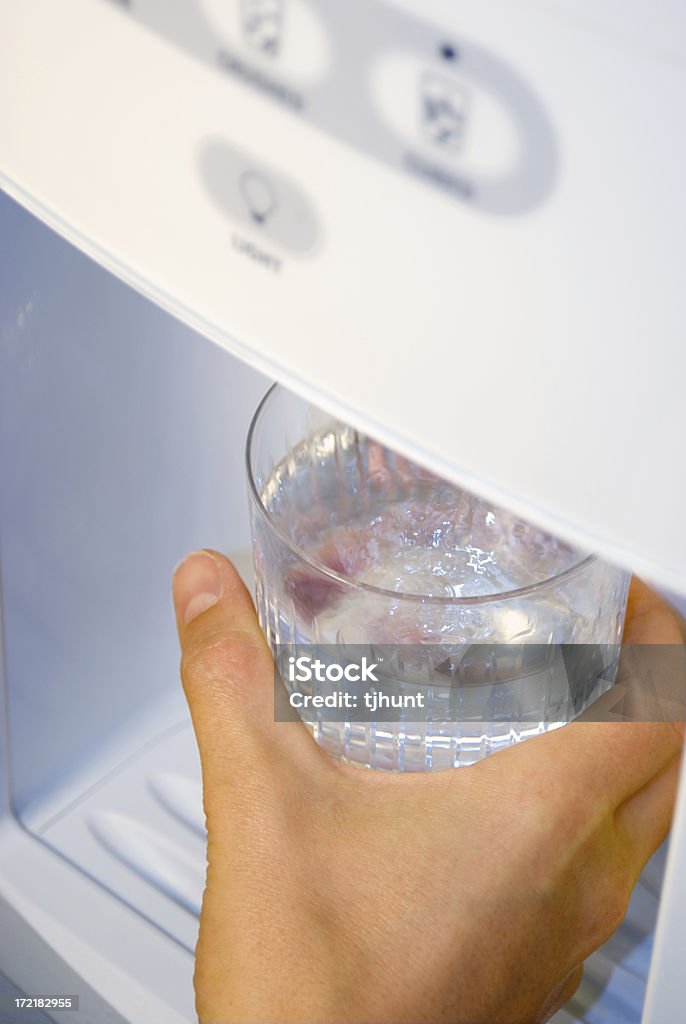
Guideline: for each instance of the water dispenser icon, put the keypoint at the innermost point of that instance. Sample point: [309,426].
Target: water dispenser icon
[444,108]
[263,24]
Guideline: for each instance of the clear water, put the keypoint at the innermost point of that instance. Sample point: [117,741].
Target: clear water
[379,521]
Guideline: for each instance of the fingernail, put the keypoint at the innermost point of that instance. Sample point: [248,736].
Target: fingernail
[197,585]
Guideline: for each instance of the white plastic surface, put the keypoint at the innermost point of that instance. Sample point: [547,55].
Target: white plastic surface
[659,24]
[666,995]
[61,932]
[66,930]
[536,358]
[138,835]
[122,440]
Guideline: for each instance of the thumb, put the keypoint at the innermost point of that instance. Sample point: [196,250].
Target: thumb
[227,670]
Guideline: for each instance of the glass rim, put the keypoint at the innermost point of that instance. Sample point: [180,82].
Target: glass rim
[370,588]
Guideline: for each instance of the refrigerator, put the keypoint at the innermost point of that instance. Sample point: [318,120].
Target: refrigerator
[459,227]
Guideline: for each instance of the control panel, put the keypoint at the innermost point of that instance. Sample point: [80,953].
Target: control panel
[433,105]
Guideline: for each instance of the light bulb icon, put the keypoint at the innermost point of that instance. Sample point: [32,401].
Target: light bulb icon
[258,196]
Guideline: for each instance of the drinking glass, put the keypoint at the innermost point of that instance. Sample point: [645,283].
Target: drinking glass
[506,630]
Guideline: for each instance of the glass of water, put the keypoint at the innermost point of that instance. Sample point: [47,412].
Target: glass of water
[358,549]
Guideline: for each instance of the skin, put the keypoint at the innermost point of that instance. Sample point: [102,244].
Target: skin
[335,894]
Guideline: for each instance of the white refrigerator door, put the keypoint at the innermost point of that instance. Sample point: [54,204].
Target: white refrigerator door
[508,310]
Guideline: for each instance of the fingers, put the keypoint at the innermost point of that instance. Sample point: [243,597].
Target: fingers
[652,669]
[599,764]
[563,993]
[226,666]
[644,820]
[650,619]
[618,759]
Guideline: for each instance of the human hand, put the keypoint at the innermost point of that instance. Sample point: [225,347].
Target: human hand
[335,894]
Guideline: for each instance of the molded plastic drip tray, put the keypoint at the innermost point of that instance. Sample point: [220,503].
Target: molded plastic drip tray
[141,834]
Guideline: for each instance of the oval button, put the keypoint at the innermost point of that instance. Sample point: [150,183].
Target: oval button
[445,116]
[251,193]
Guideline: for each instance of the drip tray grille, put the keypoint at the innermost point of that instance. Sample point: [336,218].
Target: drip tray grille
[141,834]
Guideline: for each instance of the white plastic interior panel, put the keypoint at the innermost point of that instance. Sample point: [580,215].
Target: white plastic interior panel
[122,439]
[459,225]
